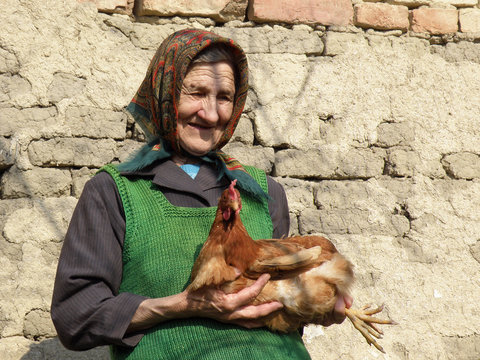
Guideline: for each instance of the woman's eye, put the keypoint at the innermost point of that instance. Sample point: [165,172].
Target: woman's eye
[226,98]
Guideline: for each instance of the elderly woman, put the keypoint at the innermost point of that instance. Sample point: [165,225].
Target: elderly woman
[138,226]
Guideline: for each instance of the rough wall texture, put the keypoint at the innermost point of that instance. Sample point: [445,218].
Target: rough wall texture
[372,128]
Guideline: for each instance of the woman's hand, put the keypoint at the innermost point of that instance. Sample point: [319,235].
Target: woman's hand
[206,302]
[232,308]
[344,301]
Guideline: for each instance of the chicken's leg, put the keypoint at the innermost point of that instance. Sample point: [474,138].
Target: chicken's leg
[364,322]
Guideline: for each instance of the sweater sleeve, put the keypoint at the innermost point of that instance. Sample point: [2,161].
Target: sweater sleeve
[278,208]
[87,310]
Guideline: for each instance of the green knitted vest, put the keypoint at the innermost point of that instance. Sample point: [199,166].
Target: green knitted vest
[161,244]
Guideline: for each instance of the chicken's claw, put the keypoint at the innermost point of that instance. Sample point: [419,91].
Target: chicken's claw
[364,322]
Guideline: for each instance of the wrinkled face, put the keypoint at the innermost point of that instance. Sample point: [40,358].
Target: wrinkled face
[205,106]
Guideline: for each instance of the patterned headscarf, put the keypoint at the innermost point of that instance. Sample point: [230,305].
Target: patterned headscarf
[155,105]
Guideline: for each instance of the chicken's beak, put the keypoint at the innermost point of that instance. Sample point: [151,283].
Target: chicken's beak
[235,206]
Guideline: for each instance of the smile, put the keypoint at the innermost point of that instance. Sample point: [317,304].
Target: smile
[200,127]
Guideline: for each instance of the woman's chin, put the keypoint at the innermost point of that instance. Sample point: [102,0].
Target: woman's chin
[198,149]
[197,152]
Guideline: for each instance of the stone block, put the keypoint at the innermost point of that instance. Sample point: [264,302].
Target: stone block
[38,182]
[337,43]
[12,120]
[15,347]
[148,36]
[304,164]
[309,222]
[64,86]
[464,347]
[437,3]
[38,324]
[323,12]
[469,20]
[356,163]
[402,162]
[251,40]
[244,131]
[400,187]
[395,134]
[457,52]
[8,206]
[293,224]
[18,347]
[299,193]
[127,148]
[359,194]
[434,21]
[46,221]
[341,222]
[381,16]
[275,76]
[8,62]
[233,10]
[350,221]
[79,178]
[113,6]
[72,152]
[14,91]
[96,123]
[10,256]
[276,40]
[7,153]
[463,165]
[257,156]
[361,163]
[221,10]
[354,207]
[300,41]
[442,209]
[475,250]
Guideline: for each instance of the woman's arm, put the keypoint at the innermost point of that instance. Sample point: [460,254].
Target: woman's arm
[86,308]
[206,302]
[278,208]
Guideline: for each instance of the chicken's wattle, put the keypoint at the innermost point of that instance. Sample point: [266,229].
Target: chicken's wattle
[226,214]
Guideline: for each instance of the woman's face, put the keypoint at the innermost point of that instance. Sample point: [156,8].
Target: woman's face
[205,106]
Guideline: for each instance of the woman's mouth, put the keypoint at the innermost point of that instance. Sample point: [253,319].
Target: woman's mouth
[200,126]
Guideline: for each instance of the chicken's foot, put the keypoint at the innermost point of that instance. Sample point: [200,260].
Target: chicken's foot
[364,322]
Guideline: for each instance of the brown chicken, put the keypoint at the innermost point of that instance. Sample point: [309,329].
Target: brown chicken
[307,272]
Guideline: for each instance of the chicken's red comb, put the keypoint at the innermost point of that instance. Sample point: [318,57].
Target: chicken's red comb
[231,189]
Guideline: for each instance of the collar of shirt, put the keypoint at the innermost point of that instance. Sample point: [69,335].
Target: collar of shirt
[167,174]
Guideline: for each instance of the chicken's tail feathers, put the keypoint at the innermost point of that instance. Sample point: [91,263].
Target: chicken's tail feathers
[337,271]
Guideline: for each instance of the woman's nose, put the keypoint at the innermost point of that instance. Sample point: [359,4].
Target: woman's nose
[209,111]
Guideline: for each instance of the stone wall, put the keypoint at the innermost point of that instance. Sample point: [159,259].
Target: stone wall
[366,112]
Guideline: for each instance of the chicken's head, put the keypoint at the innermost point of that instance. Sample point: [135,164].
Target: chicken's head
[230,201]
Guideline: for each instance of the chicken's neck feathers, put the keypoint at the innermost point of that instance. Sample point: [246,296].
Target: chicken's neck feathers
[240,249]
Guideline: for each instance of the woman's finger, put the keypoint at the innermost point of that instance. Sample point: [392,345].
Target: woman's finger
[348,301]
[248,294]
[249,324]
[339,310]
[256,311]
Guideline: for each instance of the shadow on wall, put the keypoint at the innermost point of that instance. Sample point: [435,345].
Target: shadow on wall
[52,349]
